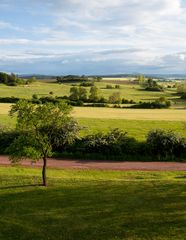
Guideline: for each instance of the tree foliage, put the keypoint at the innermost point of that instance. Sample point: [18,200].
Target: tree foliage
[11,79]
[115,98]
[41,127]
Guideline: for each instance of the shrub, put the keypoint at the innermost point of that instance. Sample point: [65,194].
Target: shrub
[109,86]
[115,142]
[152,105]
[9,99]
[166,144]
[87,84]
[115,98]
[98,105]
[126,101]
[7,137]
[151,85]
[183,95]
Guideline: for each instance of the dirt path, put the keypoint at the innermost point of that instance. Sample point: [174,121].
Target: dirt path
[103,165]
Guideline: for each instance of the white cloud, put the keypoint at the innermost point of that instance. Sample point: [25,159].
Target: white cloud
[136,32]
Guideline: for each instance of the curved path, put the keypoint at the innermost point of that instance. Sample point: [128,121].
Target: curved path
[103,165]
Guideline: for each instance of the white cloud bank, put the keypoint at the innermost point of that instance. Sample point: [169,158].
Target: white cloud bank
[100,35]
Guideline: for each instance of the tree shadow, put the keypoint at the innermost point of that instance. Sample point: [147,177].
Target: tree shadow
[94,210]
[20,186]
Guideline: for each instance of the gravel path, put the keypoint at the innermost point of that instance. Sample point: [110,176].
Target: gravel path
[103,165]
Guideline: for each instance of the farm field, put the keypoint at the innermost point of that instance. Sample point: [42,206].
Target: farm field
[114,113]
[130,114]
[89,204]
[135,128]
[103,119]
[42,88]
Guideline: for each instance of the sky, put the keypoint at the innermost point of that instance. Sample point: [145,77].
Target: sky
[62,37]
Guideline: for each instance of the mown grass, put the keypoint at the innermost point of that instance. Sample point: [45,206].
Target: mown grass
[89,205]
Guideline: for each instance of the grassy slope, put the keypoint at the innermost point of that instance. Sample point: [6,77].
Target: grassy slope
[40,88]
[43,88]
[134,92]
[89,205]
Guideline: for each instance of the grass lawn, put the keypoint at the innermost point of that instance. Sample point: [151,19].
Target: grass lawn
[92,205]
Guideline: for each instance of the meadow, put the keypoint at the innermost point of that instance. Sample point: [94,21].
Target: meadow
[136,122]
[92,204]
[88,204]
[43,88]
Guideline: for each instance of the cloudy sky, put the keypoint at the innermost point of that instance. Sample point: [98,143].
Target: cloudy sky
[93,37]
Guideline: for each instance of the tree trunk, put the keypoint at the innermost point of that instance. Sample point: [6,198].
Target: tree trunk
[44,171]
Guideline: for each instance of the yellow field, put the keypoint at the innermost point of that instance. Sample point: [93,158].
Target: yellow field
[5,108]
[113,113]
[131,114]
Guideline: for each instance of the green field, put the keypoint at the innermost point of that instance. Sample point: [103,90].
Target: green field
[89,205]
[135,128]
[43,88]
[135,92]
[39,88]
[137,122]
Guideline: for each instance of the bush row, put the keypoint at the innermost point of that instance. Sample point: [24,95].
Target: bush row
[102,102]
[116,144]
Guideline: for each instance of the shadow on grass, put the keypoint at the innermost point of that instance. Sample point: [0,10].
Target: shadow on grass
[20,186]
[77,210]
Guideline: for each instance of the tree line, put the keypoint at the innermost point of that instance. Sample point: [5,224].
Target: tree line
[13,80]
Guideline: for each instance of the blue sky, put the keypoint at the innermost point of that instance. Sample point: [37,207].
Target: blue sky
[93,37]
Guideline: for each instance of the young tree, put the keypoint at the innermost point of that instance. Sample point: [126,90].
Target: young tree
[74,94]
[141,80]
[41,127]
[3,77]
[82,94]
[115,98]
[94,94]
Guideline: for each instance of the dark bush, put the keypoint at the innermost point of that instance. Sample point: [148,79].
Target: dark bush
[98,105]
[183,95]
[9,99]
[166,144]
[126,101]
[7,137]
[152,105]
[115,142]
[109,86]
[87,84]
